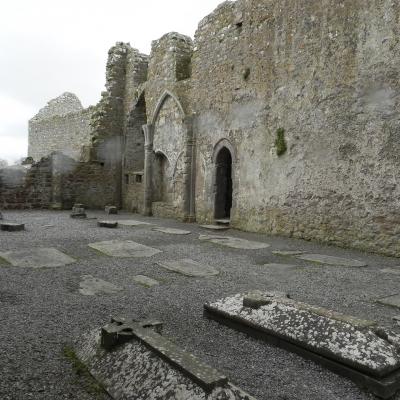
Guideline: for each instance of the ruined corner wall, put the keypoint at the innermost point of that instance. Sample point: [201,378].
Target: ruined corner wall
[26,187]
[63,125]
[167,105]
[328,75]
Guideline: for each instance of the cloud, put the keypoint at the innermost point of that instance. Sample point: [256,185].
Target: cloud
[49,47]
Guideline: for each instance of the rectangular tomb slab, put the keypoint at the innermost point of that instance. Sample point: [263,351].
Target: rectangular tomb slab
[346,345]
[145,365]
[124,248]
[132,222]
[233,242]
[330,260]
[145,281]
[393,301]
[171,231]
[37,258]
[189,267]
[90,286]
[12,226]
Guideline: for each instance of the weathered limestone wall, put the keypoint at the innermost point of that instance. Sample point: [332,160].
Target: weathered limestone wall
[109,119]
[328,74]
[133,144]
[26,187]
[63,125]
[166,97]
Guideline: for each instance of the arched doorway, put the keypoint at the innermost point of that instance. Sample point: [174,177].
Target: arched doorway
[223,184]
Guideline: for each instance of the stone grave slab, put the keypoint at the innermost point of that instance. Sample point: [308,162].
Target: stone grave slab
[42,257]
[215,227]
[111,210]
[393,271]
[189,267]
[90,286]
[287,252]
[235,243]
[78,213]
[393,301]
[172,231]
[107,224]
[330,260]
[349,346]
[145,365]
[124,248]
[282,267]
[145,281]
[12,226]
[132,222]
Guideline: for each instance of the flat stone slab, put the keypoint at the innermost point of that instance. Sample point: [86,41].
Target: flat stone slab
[11,227]
[90,286]
[172,231]
[235,243]
[330,260]
[124,248]
[393,271]
[287,252]
[280,266]
[393,301]
[215,227]
[78,215]
[189,267]
[151,367]
[42,257]
[347,341]
[132,222]
[107,224]
[145,281]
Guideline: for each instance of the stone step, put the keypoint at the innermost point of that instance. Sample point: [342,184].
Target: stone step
[223,221]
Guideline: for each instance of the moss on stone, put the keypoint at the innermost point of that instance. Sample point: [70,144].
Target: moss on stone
[91,385]
[280,142]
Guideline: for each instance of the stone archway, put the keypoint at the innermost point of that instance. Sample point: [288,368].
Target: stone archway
[223,184]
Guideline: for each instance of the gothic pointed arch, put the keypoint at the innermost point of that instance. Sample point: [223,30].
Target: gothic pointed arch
[167,94]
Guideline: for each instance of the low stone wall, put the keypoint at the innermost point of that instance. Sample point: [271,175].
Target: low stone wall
[26,188]
[92,184]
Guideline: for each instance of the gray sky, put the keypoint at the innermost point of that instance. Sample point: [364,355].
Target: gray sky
[51,46]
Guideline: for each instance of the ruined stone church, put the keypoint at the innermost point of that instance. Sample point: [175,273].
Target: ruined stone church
[281,116]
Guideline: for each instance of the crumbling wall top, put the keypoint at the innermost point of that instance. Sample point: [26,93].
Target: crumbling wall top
[62,105]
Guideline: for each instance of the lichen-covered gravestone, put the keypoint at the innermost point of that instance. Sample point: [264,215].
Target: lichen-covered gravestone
[133,361]
[355,348]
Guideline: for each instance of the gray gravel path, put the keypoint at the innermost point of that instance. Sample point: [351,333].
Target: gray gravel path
[41,310]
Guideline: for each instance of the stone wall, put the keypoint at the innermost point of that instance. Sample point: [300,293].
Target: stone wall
[63,125]
[325,74]
[329,76]
[26,187]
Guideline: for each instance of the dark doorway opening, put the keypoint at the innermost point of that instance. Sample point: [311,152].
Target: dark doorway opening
[223,183]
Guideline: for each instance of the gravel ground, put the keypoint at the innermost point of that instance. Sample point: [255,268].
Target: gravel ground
[41,310]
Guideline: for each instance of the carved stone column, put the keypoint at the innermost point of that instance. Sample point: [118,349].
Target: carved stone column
[148,169]
[189,173]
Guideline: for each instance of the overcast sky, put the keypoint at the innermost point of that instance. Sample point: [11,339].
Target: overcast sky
[52,46]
